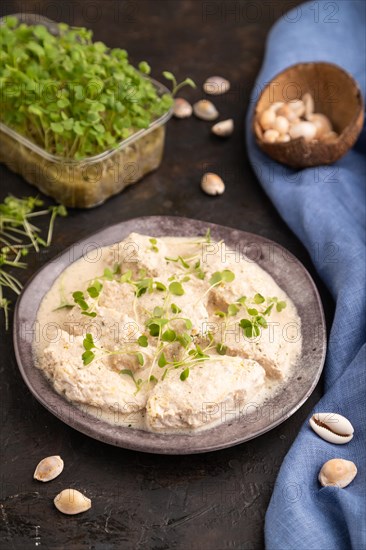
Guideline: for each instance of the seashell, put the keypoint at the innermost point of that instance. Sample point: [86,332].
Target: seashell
[332,427]
[297,107]
[205,110]
[212,184]
[306,130]
[309,105]
[216,85]
[267,119]
[270,136]
[275,106]
[224,128]
[322,123]
[71,501]
[283,138]
[182,108]
[287,112]
[337,473]
[49,468]
[281,125]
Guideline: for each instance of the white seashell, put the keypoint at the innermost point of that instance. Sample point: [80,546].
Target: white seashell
[224,128]
[306,130]
[297,107]
[287,112]
[71,501]
[270,136]
[331,137]
[337,473]
[205,110]
[212,184]
[267,119]
[322,124]
[332,427]
[283,138]
[216,85]
[309,105]
[182,108]
[281,124]
[49,468]
[275,106]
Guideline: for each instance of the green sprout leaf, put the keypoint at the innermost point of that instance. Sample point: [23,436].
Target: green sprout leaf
[88,342]
[226,276]
[126,277]
[259,299]
[87,357]
[221,349]
[176,289]
[160,286]
[158,311]
[142,341]
[95,290]
[184,339]
[169,336]
[184,374]
[162,361]
[232,310]
[280,306]
[144,67]
[175,309]
[220,313]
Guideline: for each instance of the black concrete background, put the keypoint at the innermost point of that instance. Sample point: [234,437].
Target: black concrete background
[140,501]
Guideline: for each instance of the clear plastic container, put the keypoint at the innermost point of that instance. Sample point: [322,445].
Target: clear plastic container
[88,182]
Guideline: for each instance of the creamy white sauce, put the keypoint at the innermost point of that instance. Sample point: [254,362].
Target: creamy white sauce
[61,331]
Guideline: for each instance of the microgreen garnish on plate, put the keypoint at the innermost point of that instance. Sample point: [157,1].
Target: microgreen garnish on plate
[19,234]
[225,276]
[153,242]
[80,300]
[173,340]
[253,325]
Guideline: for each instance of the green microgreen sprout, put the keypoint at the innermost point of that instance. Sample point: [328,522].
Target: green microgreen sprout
[18,235]
[253,326]
[160,323]
[189,266]
[176,288]
[176,87]
[184,374]
[80,300]
[142,341]
[95,98]
[153,243]
[90,350]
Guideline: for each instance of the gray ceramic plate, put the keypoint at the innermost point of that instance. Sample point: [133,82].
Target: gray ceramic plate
[287,271]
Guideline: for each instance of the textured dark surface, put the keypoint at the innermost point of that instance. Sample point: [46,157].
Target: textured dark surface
[211,501]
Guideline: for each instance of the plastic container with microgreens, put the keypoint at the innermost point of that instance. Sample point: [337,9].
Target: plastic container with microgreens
[77,120]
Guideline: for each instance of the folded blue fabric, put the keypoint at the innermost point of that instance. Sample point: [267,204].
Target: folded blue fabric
[326,208]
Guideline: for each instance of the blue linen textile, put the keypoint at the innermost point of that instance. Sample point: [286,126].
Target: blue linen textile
[325,207]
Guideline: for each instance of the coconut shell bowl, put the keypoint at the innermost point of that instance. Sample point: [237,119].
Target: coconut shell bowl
[308,115]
